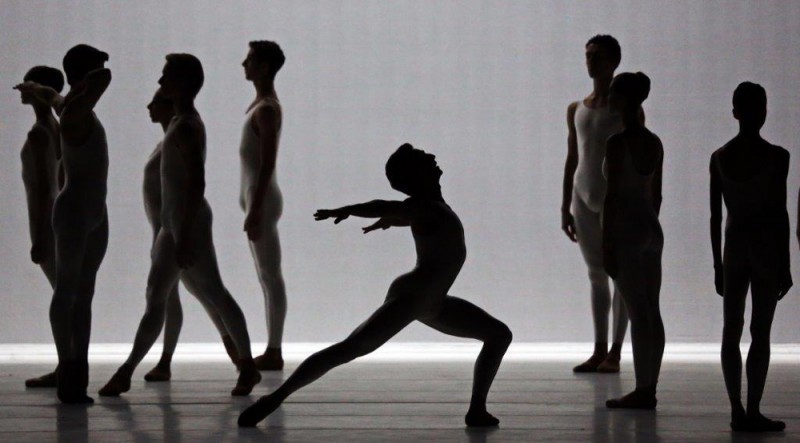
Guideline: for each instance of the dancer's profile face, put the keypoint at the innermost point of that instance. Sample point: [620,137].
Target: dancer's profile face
[598,63]
[426,166]
[251,66]
[160,108]
[169,82]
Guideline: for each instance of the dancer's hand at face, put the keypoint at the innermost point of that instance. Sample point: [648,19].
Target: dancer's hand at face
[184,255]
[336,214]
[568,226]
[382,223]
[251,226]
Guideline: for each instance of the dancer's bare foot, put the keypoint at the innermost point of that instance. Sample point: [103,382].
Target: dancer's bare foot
[738,419]
[259,410]
[72,380]
[590,365]
[120,382]
[45,381]
[480,418]
[248,378]
[759,423]
[610,364]
[638,399]
[270,360]
[161,372]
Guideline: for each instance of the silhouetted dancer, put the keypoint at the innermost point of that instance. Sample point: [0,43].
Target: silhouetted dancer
[80,219]
[184,247]
[161,111]
[260,196]
[41,163]
[418,295]
[591,121]
[632,236]
[749,173]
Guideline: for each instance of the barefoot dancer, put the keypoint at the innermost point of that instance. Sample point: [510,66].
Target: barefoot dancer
[161,111]
[632,236]
[80,220]
[418,295]
[260,196]
[41,156]
[749,174]
[184,247]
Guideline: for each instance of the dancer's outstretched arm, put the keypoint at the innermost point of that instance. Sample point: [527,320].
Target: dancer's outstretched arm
[398,211]
[44,94]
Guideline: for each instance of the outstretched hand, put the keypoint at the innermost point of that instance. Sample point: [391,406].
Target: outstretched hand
[336,214]
[382,223]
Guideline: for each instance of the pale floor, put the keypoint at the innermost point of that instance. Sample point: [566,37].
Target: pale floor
[393,401]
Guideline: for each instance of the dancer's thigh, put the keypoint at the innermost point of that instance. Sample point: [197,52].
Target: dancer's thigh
[461,318]
[164,269]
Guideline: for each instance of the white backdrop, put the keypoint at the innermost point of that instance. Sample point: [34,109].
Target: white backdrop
[483,85]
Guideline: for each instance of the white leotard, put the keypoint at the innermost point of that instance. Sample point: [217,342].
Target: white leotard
[593,127]
[250,159]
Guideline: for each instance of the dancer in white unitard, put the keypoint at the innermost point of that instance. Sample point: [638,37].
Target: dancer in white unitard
[184,247]
[41,163]
[749,175]
[420,294]
[260,197]
[80,220]
[632,237]
[161,111]
[590,122]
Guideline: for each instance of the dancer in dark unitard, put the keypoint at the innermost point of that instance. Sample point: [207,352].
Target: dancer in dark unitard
[632,236]
[420,294]
[749,175]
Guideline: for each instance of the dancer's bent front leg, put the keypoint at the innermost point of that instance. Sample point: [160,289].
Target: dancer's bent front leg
[461,318]
[394,315]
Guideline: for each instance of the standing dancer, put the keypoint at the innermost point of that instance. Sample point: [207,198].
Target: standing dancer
[632,236]
[420,294]
[749,174]
[80,219]
[161,111]
[591,121]
[184,247]
[41,156]
[260,196]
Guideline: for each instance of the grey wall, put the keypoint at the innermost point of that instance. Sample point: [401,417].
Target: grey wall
[484,85]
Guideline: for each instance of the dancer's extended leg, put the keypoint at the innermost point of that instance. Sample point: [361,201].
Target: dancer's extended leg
[267,256]
[385,323]
[172,330]
[461,318]
[163,277]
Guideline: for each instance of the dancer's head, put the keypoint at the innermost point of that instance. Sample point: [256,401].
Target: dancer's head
[264,59]
[628,91]
[412,171]
[603,55]
[45,76]
[161,108]
[750,105]
[182,77]
[81,60]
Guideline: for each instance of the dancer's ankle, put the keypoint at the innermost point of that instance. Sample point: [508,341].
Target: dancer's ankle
[600,349]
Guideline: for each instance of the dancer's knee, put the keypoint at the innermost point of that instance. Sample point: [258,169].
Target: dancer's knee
[732,329]
[760,334]
[598,276]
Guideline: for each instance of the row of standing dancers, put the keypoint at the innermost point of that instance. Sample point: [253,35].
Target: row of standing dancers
[612,198]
